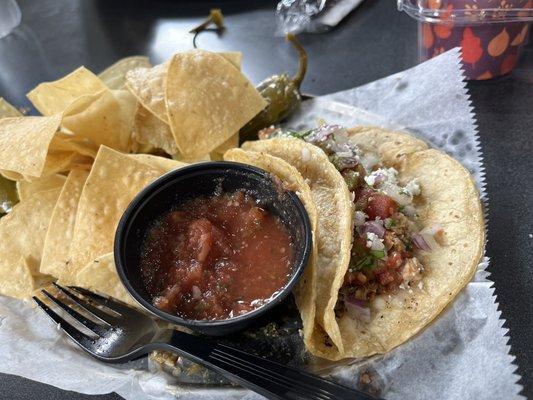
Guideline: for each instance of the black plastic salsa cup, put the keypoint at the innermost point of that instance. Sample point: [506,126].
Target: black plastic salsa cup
[205,179]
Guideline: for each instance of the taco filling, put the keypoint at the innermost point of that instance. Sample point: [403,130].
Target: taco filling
[387,233]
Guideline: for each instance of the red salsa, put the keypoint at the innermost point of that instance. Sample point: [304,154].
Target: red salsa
[216,257]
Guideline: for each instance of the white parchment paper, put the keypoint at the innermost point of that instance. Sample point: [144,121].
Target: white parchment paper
[462,355]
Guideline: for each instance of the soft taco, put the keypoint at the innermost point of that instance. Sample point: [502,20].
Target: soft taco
[400,232]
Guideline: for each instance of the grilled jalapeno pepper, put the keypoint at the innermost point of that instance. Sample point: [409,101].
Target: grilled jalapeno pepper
[8,195]
[282,94]
[215,17]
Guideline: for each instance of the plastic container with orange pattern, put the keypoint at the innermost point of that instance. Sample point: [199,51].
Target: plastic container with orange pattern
[491,33]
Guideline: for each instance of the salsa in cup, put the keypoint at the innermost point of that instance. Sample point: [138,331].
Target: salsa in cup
[216,257]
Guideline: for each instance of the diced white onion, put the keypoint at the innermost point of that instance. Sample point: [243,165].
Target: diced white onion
[425,239]
[357,309]
[359,218]
[374,242]
[374,227]
[369,161]
[196,293]
[409,210]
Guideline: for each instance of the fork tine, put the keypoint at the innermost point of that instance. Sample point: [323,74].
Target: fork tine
[108,302]
[106,318]
[89,324]
[80,338]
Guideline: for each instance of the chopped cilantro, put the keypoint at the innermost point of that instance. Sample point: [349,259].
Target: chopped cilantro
[297,134]
[389,223]
[378,253]
[404,191]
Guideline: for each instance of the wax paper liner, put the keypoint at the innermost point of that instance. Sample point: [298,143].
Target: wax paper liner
[462,354]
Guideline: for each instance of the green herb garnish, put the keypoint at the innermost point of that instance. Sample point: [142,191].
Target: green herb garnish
[389,223]
[379,254]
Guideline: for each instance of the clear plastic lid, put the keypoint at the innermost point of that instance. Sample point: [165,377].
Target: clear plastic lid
[468,12]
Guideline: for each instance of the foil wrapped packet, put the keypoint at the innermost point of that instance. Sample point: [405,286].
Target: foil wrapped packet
[312,16]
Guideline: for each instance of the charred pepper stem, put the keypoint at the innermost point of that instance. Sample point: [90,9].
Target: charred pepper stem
[215,17]
[302,65]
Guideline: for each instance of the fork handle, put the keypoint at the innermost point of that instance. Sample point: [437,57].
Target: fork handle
[268,378]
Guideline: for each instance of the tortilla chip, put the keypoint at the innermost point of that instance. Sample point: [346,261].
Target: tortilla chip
[334,230]
[148,85]
[17,282]
[105,118]
[165,164]
[150,130]
[234,57]
[61,162]
[54,97]
[64,141]
[59,236]
[23,231]
[114,77]
[113,182]
[208,100]
[13,176]
[7,110]
[231,143]
[24,143]
[100,275]
[305,291]
[27,189]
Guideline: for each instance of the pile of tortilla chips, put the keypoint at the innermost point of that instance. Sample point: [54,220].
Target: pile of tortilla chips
[98,141]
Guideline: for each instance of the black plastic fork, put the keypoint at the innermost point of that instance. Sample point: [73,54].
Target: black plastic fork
[114,332]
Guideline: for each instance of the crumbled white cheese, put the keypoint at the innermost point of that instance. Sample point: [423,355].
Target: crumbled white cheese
[383,176]
[413,187]
[386,180]
[374,242]
[379,303]
[368,161]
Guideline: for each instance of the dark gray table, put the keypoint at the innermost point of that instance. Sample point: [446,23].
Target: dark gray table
[375,41]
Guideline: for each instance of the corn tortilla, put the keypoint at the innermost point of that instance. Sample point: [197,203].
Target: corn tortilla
[334,208]
[448,199]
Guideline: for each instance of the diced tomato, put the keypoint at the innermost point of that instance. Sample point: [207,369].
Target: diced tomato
[385,277]
[394,260]
[201,238]
[380,205]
